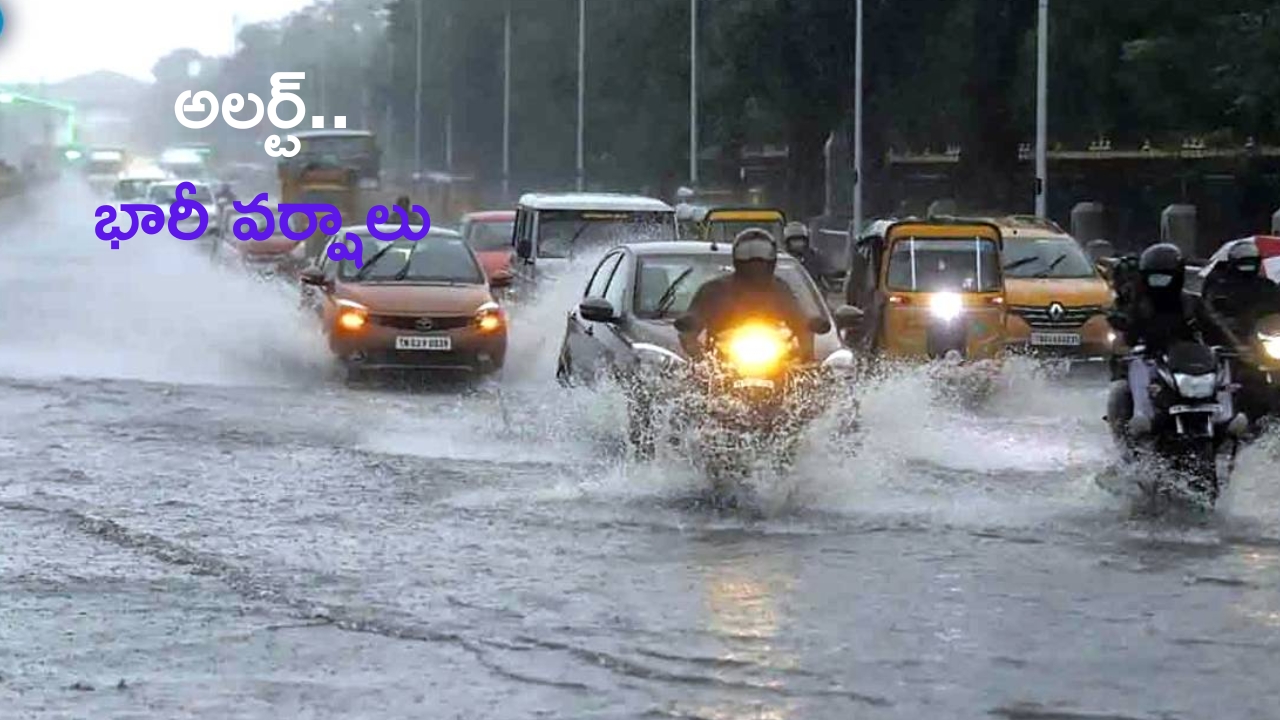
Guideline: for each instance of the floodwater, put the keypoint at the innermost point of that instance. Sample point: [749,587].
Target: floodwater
[198,521]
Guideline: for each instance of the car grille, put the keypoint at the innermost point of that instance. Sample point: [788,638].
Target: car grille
[1072,317]
[410,322]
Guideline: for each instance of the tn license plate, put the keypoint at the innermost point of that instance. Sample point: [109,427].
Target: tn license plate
[424,342]
[1055,339]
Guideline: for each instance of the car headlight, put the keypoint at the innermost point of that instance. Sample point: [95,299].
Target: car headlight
[352,315]
[945,306]
[1196,387]
[1270,345]
[841,360]
[754,350]
[656,355]
[489,318]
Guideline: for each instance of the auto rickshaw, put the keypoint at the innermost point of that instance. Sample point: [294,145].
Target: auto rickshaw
[722,224]
[929,289]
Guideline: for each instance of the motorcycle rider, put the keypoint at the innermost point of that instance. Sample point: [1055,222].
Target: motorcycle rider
[795,238]
[1236,295]
[1151,313]
[751,292]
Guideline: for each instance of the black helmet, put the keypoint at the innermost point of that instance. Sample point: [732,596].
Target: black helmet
[1162,267]
[1244,258]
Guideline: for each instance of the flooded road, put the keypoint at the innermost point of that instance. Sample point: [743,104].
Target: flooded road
[198,522]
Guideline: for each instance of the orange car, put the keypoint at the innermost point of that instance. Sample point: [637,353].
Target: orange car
[414,305]
[489,235]
[1057,300]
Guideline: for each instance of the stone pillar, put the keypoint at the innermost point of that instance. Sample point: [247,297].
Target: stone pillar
[1178,226]
[1089,222]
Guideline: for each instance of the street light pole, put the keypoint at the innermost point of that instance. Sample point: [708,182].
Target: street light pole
[857,135]
[506,106]
[417,99]
[448,117]
[1042,112]
[693,93]
[582,59]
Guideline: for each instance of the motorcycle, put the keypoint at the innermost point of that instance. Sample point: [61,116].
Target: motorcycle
[1259,374]
[1191,389]
[749,396]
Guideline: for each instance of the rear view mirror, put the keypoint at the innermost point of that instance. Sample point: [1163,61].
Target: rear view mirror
[524,249]
[500,281]
[597,310]
[313,276]
[849,317]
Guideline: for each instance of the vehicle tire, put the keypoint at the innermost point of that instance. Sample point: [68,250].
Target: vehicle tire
[640,428]
[564,367]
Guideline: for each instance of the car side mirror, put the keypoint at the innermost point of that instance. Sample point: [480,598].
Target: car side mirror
[849,317]
[314,277]
[500,281]
[596,309]
[819,326]
[524,249]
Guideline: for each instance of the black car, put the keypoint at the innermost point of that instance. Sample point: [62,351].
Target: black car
[621,321]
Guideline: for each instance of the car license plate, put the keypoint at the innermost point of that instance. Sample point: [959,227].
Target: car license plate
[1055,339]
[753,383]
[424,342]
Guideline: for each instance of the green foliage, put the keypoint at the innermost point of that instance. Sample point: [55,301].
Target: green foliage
[779,72]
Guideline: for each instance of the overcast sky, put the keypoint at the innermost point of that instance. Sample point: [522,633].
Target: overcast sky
[53,40]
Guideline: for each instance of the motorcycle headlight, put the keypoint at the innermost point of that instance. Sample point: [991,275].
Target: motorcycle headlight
[1270,345]
[1196,387]
[945,306]
[841,360]
[352,315]
[754,349]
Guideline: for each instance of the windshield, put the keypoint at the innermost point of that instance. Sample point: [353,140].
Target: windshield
[1045,258]
[430,260]
[727,230]
[944,264]
[563,233]
[167,193]
[484,236]
[133,189]
[655,274]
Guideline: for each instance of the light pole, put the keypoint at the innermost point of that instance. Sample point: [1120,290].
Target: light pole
[448,115]
[1042,111]
[417,98]
[506,106]
[582,58]
[693,93]
[856,227]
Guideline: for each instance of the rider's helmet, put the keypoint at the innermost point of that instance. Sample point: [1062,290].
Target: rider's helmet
[755,254]
[796,237]
[1100,250]
[1244,259]
[1162,269]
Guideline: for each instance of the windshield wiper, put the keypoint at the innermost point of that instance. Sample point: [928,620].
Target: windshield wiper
[1050,267]
[374,261]
[669,295]
[1020,262]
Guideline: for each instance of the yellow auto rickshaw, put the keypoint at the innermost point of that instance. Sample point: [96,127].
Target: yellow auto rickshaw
[722,224]
[929,289]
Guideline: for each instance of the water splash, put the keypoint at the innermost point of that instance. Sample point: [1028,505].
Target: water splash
[157,309]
